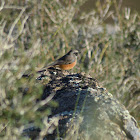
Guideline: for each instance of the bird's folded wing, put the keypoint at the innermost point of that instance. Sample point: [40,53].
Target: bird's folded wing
[57,62]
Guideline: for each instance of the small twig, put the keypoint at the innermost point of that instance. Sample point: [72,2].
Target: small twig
[50,15]
[103,52]
[13,7]
[21,30]
[14,24]
[2,26]
[5,126]
[2,5]
[106,10]
[42,103]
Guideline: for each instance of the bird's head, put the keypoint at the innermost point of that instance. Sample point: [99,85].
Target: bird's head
[75,52]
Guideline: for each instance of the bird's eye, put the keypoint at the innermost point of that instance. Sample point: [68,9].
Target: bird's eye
[76,53]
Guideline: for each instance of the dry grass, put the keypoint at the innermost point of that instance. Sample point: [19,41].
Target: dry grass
[33,33]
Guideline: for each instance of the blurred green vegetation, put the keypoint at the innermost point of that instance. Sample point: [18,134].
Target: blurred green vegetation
[33,33]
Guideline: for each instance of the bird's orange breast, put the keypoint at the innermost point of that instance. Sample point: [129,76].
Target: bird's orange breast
[67,66]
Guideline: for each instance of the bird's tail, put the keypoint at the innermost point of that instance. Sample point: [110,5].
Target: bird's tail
[46,67]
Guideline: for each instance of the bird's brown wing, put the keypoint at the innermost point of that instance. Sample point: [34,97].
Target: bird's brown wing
[57,62]
[66,59]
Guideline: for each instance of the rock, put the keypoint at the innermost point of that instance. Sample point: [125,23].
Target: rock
[86,110]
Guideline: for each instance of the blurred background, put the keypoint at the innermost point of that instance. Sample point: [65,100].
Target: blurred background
[36,32]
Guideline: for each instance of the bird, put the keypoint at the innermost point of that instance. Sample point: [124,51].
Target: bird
[66,62]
